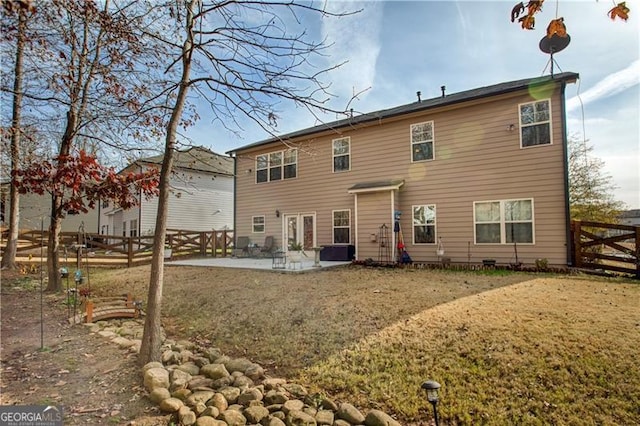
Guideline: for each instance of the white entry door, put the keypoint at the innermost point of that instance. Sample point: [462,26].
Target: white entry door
[300,228]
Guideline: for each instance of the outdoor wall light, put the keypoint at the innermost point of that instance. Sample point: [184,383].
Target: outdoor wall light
[277,213]
[511,127]
[432,388]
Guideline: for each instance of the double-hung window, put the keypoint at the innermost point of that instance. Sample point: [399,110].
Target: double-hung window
[424,224]
[257,224]
[422,148]
[341,226]
[276,166]
[535,123]
[341,155]
[504,222]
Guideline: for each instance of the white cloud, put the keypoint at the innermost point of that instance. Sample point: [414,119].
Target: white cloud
[611,85]
[355,39]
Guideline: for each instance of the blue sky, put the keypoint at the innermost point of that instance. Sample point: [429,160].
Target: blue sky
[396,48]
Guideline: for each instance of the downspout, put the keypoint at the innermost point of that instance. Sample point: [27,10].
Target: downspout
[355,213]
[235,196]
[565,157]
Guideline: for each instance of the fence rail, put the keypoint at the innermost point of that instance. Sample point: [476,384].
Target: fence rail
[606,246]
[117,250]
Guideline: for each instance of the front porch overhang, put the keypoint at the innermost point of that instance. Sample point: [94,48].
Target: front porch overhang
[384,185]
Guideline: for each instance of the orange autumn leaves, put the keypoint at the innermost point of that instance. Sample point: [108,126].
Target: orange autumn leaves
[556,26]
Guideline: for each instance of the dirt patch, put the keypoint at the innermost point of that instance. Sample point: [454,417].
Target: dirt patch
[95,381]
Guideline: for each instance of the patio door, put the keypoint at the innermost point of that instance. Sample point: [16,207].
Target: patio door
[300,228]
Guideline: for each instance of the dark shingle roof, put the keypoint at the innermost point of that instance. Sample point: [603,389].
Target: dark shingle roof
[468,95]
[197,158]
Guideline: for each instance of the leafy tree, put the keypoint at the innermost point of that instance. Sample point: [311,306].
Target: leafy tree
[80,181]
[556,26]
[17,16]
[92,87]
[240,58]
[591,189]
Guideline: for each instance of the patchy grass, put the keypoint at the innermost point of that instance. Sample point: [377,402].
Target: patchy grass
[507,348]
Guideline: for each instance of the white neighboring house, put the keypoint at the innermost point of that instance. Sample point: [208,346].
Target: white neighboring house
[201,196]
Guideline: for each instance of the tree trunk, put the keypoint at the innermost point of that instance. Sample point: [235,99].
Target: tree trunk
[9,255]
[152,335]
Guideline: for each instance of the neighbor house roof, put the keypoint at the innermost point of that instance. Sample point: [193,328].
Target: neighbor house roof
[468,95]
[197,158]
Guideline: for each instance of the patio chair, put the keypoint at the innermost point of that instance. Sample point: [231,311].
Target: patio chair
[268,248]
[242,247]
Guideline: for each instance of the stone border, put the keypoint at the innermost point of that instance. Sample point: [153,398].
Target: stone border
[203,387]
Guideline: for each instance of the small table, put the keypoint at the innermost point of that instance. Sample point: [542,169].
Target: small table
[279,260]
[316,260]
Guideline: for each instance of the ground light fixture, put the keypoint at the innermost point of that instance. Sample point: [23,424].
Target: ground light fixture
[432,388]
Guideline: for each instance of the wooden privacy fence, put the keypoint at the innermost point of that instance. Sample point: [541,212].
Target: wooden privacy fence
[606,246]
[118,250]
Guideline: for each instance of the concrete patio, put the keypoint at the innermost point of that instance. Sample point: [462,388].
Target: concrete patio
[305,265]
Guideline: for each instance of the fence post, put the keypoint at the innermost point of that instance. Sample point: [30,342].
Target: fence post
[203,243]
[214,243]
[577,244]
[129,252]
[638,252]
[224,243]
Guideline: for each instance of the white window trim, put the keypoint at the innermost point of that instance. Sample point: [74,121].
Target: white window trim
[550,121]
[282,166]
[264,224]
[348,138]
[433,141]
[435,226]
[333,227]
[503,234]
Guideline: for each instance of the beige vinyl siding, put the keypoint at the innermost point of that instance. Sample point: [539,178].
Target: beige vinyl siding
[374,209]
[476,159]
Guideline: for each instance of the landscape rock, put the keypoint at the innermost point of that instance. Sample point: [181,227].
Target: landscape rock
[292,405]
[299,418]
[230,393]
[272,421]
[156,378]
[189,367]
[249,395]
[153,364]
[123,342]
[186,416]
[159,394]
[171,405]
[350,413]
[181,394]
[296,390]
[255,372]
[211,411]
[273,383]
[219,401]
[379,418]
[238,364]
[199,397]
[214,371]
[275,397]
[209,421]
[255,414]
[233,418]
[200,382]
[324,417]
[242,382]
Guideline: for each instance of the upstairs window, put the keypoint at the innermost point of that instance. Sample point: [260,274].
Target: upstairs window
[341,226]
[276,166]
[341,155]
[424,224]
[535,123]
[422,141]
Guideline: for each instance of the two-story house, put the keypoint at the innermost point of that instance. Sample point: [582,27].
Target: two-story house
[476,175]
[201,196]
